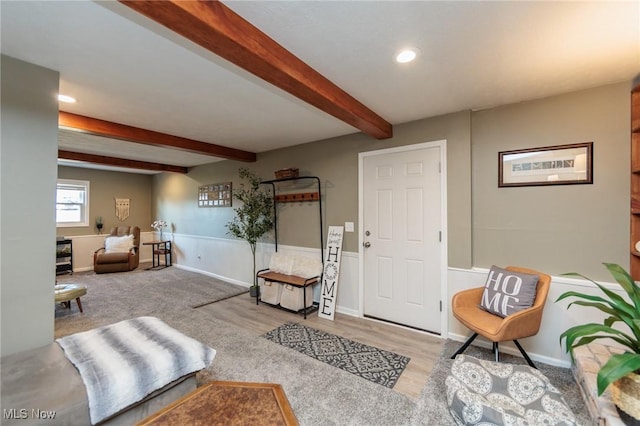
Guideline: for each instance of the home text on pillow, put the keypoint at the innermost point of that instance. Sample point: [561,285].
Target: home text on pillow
[507,292]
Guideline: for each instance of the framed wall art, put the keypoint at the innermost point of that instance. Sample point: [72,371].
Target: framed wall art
[549,165]
[215,195]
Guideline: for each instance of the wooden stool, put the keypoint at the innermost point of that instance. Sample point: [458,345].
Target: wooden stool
[65,293]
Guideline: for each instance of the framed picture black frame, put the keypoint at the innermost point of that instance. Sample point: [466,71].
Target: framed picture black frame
[569,164]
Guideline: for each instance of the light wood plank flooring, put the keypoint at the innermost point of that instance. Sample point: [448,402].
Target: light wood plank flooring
[423,348]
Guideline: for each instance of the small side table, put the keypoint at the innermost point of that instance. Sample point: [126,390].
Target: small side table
[228,404]
[160,248]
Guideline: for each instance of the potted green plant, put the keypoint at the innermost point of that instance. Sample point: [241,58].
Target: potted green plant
[620,369]
[254,217]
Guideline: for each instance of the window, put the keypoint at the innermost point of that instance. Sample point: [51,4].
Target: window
[72,203]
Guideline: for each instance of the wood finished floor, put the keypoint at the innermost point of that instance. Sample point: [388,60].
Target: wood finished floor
[423,348]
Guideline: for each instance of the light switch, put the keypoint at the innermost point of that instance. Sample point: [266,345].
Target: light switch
[348,227]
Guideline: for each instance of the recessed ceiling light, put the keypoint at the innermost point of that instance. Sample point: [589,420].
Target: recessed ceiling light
[65,98]
[406,55]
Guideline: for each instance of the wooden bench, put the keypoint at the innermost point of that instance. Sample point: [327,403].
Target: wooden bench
[293,280]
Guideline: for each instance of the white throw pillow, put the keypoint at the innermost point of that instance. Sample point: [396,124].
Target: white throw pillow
[281,263]
[118,244]
[306,267]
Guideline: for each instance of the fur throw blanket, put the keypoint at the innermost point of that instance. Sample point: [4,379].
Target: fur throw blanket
[122,363]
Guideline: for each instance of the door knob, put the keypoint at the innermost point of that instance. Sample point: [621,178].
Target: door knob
[367,244]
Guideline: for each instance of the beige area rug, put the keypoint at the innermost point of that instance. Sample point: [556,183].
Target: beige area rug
[122,295]
[319,394]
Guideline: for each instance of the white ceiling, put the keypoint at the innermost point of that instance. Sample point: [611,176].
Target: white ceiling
[124,68]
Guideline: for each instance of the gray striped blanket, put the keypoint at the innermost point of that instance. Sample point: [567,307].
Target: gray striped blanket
[122,363]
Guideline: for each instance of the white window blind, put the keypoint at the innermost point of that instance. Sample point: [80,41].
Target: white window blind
[72,203]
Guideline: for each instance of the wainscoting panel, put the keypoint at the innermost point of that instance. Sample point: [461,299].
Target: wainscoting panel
[85,245]
[545,346]
[230,260]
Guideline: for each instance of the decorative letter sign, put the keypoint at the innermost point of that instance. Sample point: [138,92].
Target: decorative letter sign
[331,273]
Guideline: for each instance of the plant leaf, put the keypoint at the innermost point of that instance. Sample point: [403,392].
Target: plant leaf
[619,309]
[604,308]
[610,321]
[619,365]
[580,295]
[588,332]
[624,279]
[616,299]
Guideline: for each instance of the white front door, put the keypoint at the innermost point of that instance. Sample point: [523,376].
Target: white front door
[402,230]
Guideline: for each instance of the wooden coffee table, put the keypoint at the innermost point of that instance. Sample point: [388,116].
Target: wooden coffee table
[228,403]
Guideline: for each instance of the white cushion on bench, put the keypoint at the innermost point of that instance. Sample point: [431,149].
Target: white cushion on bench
[281,263]
[306,267]
[292,264]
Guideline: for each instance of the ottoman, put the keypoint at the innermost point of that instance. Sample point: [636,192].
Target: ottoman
[49,386]
[65,293]
[493,393]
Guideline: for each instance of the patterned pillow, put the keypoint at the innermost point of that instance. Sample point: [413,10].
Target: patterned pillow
[493,393]
[507,292]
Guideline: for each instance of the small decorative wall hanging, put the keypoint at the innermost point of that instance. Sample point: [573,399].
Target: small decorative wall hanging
[549,165]
[122,208]
[215,195]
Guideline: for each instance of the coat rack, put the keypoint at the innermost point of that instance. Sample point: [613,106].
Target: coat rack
[294,198]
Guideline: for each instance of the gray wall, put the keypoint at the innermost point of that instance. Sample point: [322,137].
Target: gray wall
[27,180]
[335,162]
[105,187]
[561,228]
[555,229]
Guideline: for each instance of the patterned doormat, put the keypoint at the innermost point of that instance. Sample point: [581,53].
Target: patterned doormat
[376,365]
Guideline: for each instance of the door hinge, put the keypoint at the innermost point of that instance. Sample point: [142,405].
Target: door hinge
[439,167]
[440,236]
[441,306]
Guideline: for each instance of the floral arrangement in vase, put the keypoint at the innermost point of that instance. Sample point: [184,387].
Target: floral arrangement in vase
[159,225]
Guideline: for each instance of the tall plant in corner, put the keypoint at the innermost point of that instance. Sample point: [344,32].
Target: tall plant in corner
[618,310]
[254,218]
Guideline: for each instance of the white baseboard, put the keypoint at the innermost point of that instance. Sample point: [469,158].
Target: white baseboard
[509,348]
[347,311]
[212,275]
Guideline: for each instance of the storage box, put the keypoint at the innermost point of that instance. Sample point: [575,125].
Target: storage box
[293,297]
[270,292]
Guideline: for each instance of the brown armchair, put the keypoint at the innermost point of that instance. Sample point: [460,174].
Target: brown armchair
[120,261]
[525,323]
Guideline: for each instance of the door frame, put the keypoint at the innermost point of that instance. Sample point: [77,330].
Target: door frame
[442,144]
